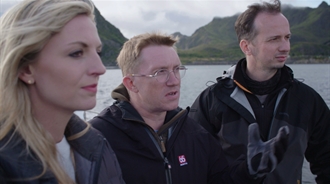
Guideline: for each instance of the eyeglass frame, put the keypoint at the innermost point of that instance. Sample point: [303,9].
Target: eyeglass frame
[181,67]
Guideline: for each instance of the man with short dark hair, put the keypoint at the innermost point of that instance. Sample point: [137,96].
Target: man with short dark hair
[259,94]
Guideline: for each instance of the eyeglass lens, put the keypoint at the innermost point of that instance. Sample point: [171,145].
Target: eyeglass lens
[164,75]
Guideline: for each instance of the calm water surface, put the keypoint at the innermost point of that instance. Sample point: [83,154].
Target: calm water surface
[197,78]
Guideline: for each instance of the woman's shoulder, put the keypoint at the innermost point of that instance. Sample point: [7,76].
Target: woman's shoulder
[11,141]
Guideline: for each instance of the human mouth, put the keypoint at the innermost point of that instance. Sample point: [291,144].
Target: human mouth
[172,94]
[281,58]
[91,88]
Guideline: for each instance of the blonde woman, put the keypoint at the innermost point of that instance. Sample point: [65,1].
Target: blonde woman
[49,68]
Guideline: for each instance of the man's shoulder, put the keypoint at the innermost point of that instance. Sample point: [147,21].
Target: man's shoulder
[222,84]
[193,128]
[106,116]
[302,88]
[193,133]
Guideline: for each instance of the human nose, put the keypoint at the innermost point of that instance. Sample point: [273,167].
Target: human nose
[172,77]
[97,67]
[285,46]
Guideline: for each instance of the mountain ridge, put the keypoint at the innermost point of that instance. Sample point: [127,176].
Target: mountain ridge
[111,37]
[216,42]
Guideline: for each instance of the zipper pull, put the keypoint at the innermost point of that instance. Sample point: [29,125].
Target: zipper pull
[162,144]
[167,164]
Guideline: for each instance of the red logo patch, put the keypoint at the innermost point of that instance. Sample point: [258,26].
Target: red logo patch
[182,160]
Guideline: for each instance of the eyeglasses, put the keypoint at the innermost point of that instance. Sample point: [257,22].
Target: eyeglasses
[163,75]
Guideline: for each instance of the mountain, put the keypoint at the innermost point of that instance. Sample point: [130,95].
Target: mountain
[111,37]
[216,42]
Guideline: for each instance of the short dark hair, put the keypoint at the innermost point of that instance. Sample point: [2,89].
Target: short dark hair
[244,25]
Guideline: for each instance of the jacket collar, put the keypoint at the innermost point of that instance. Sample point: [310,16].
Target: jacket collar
[235,73]
[130,113]
[226,88]
[87,144]
[120,94]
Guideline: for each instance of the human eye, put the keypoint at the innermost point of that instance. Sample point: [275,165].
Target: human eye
[177,69]
[100,53]
[273,39]
[288,37]
[161,72]
[76,54]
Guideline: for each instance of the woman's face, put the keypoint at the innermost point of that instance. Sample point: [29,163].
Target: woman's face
[67,70]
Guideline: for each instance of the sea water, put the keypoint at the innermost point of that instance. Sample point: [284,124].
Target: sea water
[198,77]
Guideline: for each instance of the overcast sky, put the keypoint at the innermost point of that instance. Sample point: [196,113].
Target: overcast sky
[134,17]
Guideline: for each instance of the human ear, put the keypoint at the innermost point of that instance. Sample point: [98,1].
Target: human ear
[129,84]
[26,74]
[244,45]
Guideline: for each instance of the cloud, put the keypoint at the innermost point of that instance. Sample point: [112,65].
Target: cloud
[139,16]
[134,17]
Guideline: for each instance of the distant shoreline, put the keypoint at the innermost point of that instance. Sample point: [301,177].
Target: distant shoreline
[234,62]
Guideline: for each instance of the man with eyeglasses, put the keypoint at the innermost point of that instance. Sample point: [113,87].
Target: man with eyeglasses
[154,140]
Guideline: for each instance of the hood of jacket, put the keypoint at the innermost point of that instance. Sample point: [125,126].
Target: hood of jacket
[120,94]
[123,112]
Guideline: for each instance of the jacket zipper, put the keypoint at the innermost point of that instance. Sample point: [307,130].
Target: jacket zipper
[278,100]
[161,147]
[166,162]
[162,151]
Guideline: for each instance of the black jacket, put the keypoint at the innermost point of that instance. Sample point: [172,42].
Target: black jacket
[189,153]
[95,161]
[224,110]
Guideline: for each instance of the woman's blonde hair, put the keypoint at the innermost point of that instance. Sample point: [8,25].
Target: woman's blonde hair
[25,30]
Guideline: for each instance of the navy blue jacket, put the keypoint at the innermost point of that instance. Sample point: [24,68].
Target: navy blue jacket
[180,152]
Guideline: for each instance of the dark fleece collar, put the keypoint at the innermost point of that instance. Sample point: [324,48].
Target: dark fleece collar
[279,80]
